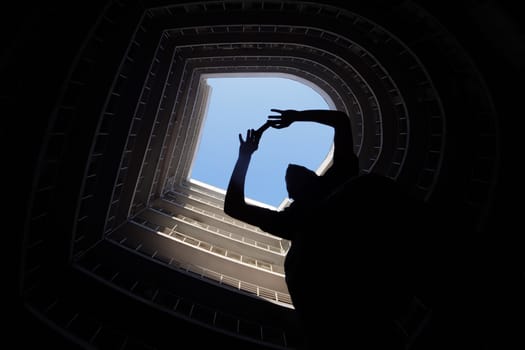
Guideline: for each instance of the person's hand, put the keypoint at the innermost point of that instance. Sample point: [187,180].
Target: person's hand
[284,120]
[251,144]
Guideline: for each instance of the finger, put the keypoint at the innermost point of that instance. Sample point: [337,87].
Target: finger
[276,110]
[240,138]
[275,116]
[265,126]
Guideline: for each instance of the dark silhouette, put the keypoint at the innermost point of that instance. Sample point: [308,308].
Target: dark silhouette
[347,268]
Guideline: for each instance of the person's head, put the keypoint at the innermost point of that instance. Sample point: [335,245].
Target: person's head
[298,179]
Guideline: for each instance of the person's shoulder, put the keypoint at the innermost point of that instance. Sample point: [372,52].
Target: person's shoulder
[296,207]
[369,185]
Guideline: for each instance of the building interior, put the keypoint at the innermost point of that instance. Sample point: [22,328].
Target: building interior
[116,247]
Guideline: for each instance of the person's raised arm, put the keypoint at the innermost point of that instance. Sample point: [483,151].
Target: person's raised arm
[343,139]
[234,202]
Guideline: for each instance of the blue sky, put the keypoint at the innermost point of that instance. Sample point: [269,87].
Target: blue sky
[240,103]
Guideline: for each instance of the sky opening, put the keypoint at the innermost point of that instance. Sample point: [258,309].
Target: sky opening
[240,103]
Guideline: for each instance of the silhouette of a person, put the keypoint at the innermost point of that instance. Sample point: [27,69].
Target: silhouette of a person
[334,224]
[298,178]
